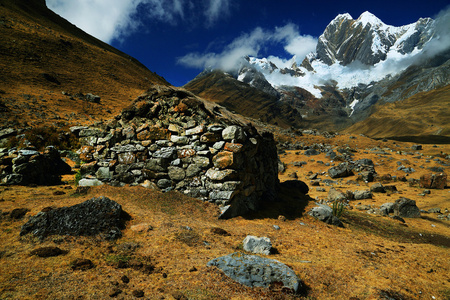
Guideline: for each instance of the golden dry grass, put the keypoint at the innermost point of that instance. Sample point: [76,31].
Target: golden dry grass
[425,113]
[370,255]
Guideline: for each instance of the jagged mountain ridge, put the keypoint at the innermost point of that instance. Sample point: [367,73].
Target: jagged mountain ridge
[369,40]
[357,64]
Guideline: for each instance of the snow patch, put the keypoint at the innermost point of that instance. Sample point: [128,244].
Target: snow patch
[352,106]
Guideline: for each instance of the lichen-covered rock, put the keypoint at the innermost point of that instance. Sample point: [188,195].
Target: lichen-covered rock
[92,217]
[257,245]
[255,271]
[342,170]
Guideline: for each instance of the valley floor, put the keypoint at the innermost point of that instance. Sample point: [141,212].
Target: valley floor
[373,257]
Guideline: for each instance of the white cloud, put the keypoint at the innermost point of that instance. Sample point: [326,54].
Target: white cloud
[110,20]
[215,9]
[105,20]
[441,42]
[251,44]
[301,46]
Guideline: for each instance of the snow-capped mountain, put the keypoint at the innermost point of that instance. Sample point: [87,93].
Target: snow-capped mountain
[357,63]
[369,41]
[349,52]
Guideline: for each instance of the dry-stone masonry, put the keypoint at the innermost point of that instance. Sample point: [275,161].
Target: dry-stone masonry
[168,137]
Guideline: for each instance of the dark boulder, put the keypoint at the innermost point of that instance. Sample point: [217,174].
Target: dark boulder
[95,216]
[342,170]
[406,208]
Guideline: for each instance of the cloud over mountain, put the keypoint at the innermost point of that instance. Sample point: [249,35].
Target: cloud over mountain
[252,43]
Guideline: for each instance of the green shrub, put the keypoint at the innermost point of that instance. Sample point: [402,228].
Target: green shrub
[338,208]
[78,177]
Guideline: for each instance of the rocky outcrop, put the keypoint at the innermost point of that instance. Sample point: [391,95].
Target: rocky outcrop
[29,166]
[170,138]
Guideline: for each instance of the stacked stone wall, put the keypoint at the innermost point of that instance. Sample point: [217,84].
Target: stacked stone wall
[169,140]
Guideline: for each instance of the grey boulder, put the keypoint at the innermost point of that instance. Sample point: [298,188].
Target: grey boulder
[255,271]
[257,245]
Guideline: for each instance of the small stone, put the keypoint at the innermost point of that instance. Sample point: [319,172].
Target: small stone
[82,264]
[115,292]
[143,227]
[257,245]
[47,252]
[138,293]
[18,213]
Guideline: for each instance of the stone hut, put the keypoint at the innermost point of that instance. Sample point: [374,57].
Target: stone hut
[170,139]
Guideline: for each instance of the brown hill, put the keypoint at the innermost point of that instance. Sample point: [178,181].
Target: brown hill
[42,54]
[424,114]
[240,97]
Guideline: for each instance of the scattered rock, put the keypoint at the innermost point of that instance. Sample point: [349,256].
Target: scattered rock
[115,292]
[296,185]
[82,264]
[255,271]
[257,245]
[387,208]
[435,210]
[342,170]
[336,195]
[433,181]
[220,231]
[179,296]
[377,188]
[406,208]
[360,195]
[324,213]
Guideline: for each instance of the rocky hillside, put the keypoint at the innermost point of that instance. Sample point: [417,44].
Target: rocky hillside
[42,55]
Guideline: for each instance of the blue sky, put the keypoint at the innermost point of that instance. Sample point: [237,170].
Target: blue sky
[178,38]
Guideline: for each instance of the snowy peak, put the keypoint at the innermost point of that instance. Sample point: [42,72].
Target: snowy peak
[369,40]
[368,18]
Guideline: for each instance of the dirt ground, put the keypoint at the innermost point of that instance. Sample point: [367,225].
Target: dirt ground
[373,257]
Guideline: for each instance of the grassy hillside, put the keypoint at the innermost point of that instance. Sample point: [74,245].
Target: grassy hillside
[424,114]
[42,55]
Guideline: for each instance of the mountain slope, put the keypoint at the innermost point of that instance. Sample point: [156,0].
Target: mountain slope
[240,97]
[42,55]
[424,114]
